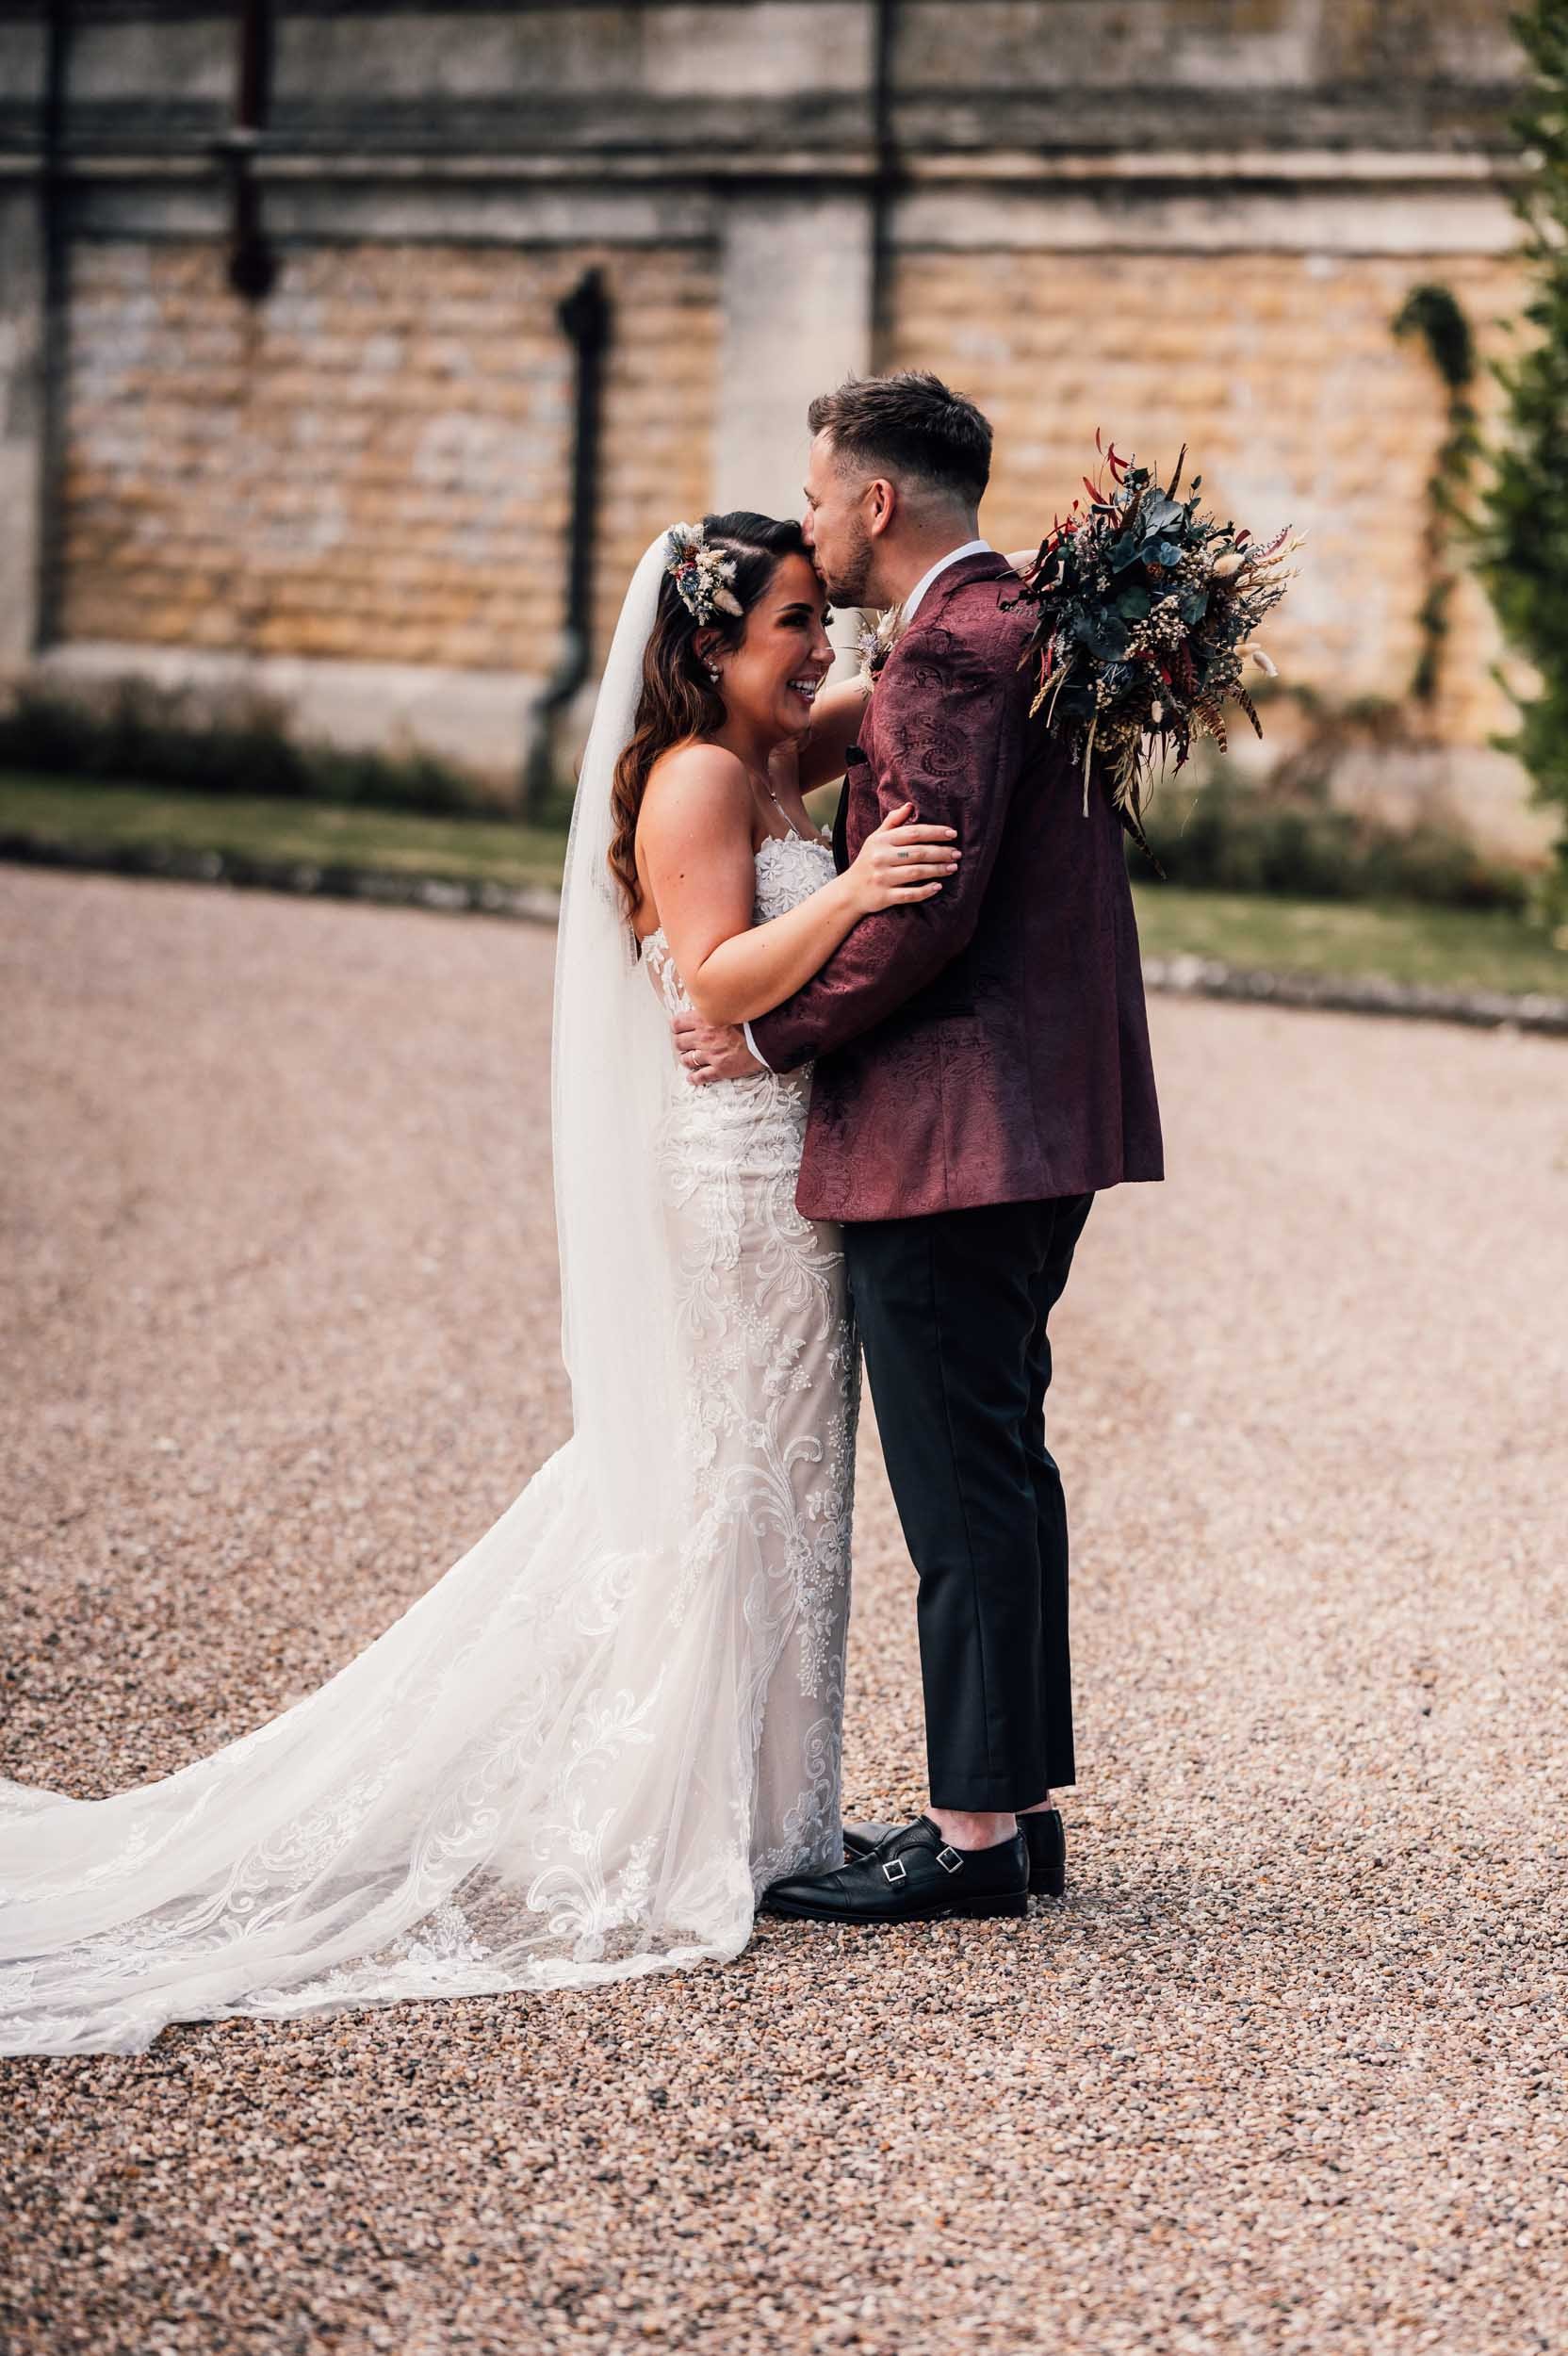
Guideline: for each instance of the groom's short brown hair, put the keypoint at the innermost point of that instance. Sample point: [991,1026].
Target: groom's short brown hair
[910,423]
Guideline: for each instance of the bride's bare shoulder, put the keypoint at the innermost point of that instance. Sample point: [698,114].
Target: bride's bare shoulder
[696,784]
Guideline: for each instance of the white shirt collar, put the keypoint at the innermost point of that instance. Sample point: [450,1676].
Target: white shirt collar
[954,556]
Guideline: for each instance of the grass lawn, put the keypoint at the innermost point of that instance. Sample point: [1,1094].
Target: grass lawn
[117,817]
[1446,948]
[1402,940]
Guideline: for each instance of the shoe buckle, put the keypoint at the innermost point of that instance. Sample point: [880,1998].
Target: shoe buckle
[950,1861]
[894,1870]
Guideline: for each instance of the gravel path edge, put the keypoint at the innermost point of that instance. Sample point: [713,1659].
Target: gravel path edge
[1185,976]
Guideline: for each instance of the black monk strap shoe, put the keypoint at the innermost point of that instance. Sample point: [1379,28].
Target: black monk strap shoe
[1043,1831]
[912,1877]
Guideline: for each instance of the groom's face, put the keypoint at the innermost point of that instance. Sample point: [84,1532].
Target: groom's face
[835,525]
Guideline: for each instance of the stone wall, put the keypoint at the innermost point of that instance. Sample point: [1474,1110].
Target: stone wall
[374,464]
[1281,373]
[1170,217]
[1147,75]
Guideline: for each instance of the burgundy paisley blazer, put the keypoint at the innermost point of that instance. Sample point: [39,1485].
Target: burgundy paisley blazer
[991,1044]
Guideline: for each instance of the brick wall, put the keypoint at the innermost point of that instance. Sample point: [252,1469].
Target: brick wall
[1281,371]
[373,465]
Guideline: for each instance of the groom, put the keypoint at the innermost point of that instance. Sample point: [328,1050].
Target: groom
[982,1069]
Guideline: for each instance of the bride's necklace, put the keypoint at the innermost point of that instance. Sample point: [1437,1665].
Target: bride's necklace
[779,805]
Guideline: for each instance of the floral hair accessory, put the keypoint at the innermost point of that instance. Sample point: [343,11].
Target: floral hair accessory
[701,574]
[875,643]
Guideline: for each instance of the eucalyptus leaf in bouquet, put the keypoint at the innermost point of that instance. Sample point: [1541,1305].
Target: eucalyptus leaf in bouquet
[1147,615]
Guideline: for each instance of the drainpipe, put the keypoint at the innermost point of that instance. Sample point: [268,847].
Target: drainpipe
[584,319]
[54,351]
[884,179]
[253,264]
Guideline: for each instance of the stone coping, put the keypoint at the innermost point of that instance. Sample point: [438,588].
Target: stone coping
[1358,994]
[331,880]
[1185,976]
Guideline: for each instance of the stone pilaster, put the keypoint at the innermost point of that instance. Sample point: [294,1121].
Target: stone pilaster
[22,409]
[795,303]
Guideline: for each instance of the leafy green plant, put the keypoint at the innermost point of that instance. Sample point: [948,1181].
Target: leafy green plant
[1524,521]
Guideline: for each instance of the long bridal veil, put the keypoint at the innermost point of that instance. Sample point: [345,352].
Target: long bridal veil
[543,1774]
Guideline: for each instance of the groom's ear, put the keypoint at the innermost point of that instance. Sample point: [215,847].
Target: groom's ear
[881,504]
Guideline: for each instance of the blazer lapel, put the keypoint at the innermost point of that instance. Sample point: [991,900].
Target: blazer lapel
[987,564]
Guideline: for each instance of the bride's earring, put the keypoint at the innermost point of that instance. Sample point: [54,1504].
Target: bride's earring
[713,672]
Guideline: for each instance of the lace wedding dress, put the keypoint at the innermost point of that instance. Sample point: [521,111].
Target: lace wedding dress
[582,1752]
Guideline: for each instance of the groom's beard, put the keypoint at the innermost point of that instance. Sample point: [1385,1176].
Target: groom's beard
[849,583]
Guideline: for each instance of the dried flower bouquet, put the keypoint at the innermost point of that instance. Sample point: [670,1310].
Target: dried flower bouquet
[1149,611]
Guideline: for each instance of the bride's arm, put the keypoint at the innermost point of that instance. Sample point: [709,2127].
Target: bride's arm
[836,718]
[836,714]
[695,833]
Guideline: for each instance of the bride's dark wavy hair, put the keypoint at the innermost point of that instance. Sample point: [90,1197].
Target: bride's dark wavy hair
[678,700]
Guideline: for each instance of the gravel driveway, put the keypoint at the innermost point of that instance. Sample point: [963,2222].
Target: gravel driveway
[1286,2073]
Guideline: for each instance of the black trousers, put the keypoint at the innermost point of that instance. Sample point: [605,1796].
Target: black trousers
[951,1310]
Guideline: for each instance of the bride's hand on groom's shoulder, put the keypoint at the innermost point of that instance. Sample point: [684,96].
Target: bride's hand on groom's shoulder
[903,861]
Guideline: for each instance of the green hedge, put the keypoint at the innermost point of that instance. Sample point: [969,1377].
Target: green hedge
[1215,834]
[1226,837]
[147,735]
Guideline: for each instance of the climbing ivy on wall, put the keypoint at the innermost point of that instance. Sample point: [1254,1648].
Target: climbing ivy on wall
[1523,553]
[1435,314]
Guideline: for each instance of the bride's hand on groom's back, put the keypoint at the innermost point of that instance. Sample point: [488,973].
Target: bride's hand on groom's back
[713,1051]
[903,861]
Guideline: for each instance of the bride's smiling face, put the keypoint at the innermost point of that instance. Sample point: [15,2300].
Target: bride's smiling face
[770,681]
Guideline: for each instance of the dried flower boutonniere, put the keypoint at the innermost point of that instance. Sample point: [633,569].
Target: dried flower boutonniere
[875,644]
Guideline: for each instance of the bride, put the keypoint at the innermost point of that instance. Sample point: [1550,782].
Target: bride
[584,1751]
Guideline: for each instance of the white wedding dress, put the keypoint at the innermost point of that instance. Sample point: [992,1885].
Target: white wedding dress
[585,1750]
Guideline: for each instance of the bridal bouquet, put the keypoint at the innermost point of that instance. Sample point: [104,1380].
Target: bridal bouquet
[1147,616]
